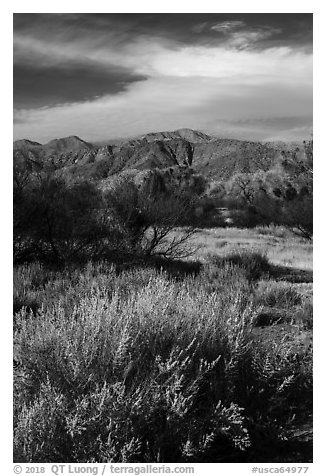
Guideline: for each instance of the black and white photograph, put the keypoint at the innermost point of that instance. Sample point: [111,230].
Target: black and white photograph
[162,240]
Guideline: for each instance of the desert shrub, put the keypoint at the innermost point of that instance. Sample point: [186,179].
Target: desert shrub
[273,230]
[154,345]
[280,294]
[304,316]
[282,195]
[56,222]
[135,366]
[253,263]
[43,287]
[40,429]
[108,425]
[153,304]
[176,268]
[148,219]
[297,214]
[280,302]
[280,377]
[292,196]
[218,276]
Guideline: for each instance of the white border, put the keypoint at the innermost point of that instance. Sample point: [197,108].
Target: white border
[168,6]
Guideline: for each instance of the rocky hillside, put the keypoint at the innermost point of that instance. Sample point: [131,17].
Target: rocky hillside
[208,156]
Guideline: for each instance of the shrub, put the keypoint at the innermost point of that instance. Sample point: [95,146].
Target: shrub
[56,222]
[283,195]
[277,294]
[40,434]
[138,367]
[304,316]
[282,302]
[148,219]
[273,230]
[253,263]
[155,350]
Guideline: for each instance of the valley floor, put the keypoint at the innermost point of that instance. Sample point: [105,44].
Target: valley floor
[281,246]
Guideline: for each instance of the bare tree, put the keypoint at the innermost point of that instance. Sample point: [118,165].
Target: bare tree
[154,224]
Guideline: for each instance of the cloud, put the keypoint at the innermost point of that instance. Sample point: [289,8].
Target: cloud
[154,57]
[165,103]
[241,36]
[200,27]
[246,38]
[281,64]
[37,87]
[169,84]
[285,128]
[227,26]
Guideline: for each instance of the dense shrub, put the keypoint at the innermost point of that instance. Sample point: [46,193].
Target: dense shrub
[254,264]
[282,195]
[148,219]
[56,221]
[138,367]
[304,316]
[280,303]
[281,294]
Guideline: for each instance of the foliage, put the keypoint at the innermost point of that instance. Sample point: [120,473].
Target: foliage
[297,208]
[282,195]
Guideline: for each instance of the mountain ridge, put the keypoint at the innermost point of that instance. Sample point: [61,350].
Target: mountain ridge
[191,135]
[212,157]
[178,133]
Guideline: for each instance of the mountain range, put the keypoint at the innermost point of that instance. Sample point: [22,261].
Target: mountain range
[212,157]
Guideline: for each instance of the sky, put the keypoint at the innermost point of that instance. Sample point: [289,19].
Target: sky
[107,76]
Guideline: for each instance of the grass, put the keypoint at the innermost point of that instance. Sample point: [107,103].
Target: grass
[149,364]
[279,245]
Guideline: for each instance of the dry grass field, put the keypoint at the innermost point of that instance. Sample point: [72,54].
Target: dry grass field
[281,247]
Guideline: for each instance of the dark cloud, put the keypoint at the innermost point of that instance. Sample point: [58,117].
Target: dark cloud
[37,87]
[287,29]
